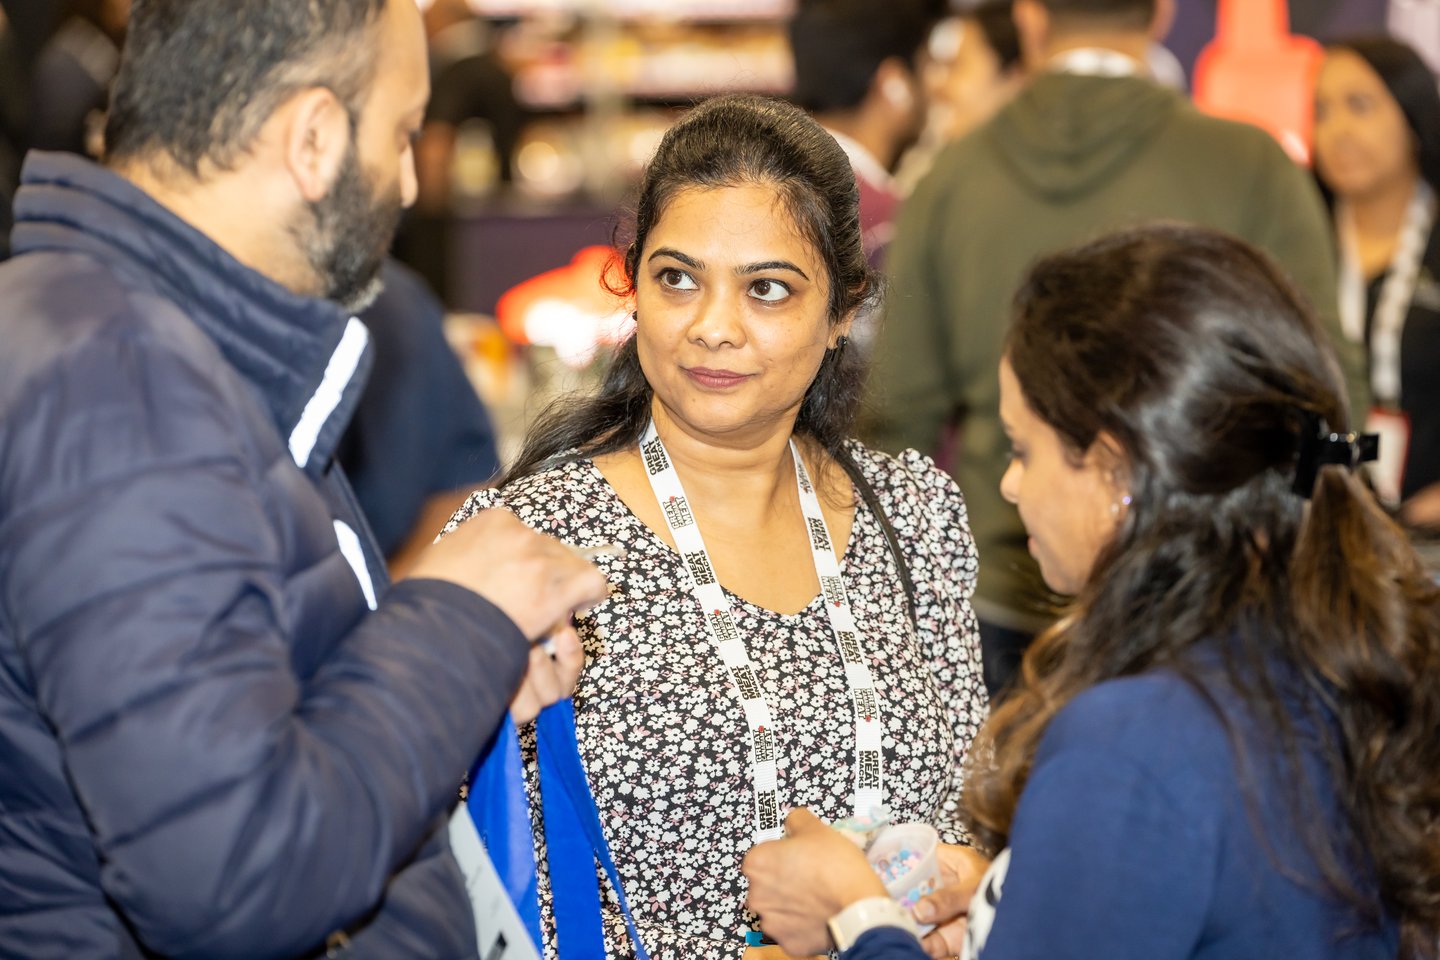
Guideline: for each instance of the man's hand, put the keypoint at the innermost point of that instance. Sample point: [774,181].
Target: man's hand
[554,669]
[537,581]
[961,870]
[800,882]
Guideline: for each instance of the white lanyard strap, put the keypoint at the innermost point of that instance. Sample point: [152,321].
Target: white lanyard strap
[725,637]
[869,757]
[1096,62]
[1393,304]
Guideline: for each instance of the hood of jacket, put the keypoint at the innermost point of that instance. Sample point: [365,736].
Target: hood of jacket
[1065,133]
[307,357]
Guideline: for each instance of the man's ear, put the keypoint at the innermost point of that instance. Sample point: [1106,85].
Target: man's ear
[315,137]
[1032,25]
[895,83]
[1163,20]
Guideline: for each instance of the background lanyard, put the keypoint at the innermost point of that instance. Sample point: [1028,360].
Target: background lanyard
[725,637]
[1393,304]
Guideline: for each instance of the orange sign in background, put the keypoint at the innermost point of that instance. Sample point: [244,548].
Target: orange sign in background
[568,308]
[1257,71]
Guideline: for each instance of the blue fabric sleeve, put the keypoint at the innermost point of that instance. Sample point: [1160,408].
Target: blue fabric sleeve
[885,943]
[1113,852]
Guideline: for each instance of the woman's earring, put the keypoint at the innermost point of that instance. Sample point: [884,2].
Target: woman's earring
[840,342]
[1116,505]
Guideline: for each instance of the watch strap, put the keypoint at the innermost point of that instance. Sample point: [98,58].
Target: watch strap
[847,926]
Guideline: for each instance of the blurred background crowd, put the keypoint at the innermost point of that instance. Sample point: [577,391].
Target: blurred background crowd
[544,111]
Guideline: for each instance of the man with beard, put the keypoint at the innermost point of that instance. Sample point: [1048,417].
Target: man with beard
[223,733]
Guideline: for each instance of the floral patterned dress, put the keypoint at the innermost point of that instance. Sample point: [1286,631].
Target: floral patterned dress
[662,734]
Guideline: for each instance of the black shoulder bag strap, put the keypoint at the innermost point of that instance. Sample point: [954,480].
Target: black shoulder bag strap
[867,493]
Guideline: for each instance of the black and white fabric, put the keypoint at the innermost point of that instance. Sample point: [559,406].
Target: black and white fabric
[664,740]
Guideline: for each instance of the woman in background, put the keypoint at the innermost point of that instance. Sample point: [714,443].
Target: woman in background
[971,69]
[1226,749]
[790,624]
[1377,153]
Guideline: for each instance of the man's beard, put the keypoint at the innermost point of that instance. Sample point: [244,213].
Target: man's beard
[347,234]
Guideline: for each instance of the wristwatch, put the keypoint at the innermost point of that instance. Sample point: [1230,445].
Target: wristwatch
[862,915]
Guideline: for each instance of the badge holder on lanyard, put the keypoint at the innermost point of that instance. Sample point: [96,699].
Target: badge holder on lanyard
[1391,308]
[490,834]
[725,637]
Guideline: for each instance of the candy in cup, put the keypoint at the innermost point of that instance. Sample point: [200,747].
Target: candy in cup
[906,858]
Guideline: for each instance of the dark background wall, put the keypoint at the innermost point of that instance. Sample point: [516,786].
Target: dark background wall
[34,20]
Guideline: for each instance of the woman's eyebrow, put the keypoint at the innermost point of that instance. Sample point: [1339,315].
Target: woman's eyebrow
[674,254]
[770,265]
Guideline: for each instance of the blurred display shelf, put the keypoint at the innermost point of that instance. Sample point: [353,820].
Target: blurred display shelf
[712,11]
[659,66]
[601,80]
[569,63]
[515,382]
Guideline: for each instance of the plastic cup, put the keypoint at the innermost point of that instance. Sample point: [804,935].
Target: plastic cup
[905,856]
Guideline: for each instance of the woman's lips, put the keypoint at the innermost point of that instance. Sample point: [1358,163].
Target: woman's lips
[715,379]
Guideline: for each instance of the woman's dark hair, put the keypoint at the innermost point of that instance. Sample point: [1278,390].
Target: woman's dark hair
[725,142]
[1195,356]
[996,20]
[1414,87]
[199,78]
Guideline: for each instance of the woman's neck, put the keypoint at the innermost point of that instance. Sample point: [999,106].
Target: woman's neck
[752,471]
[1380,214]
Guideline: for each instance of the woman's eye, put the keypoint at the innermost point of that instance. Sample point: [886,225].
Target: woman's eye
[769,291]
[676,279]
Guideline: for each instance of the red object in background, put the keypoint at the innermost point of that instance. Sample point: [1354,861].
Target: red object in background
[1257,71]
[568,308]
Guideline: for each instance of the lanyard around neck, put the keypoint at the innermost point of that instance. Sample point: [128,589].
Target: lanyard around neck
[1393,304]
[730,647]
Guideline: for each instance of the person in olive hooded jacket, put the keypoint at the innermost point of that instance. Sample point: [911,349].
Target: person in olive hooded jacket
[1092,144]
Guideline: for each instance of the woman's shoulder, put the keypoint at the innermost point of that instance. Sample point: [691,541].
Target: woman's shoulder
[556,501]
[1114,722]
[911,482]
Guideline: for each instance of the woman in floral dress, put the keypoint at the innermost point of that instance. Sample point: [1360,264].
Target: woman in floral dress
[790,624]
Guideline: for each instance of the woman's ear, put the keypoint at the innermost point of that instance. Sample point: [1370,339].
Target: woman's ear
[842,329]
[1109,458]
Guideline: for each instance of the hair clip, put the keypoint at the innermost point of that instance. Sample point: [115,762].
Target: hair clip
[1322,447]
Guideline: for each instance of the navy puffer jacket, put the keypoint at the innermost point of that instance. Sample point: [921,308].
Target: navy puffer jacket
[222,733]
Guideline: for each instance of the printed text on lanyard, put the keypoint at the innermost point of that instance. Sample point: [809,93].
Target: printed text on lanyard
[764,744]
